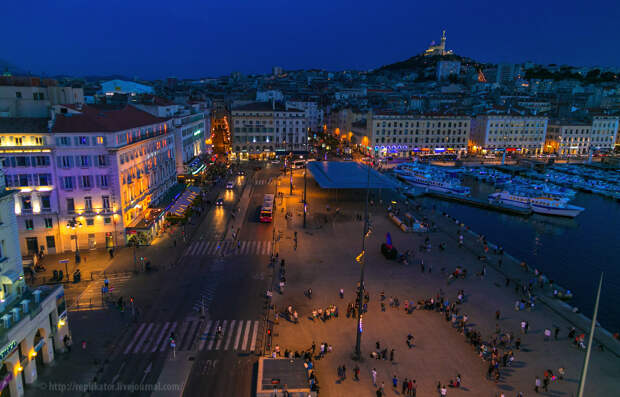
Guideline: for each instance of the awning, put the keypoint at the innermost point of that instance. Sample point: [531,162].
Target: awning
[184,201]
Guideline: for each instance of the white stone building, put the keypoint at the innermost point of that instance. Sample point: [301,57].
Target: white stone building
[517,133]
[34,322]
[34,97]
[111,166]
[263,129]
[314,114]
[406,135]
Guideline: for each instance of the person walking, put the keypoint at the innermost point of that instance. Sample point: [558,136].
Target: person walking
[392,355]
[523,323]
[341,293]
[537,384]
[356,372]
[395,381]
[556,331]
[404,388]
[443,391]
[373,373]
[561,373]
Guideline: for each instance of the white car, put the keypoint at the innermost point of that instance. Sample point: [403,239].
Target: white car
[230,185]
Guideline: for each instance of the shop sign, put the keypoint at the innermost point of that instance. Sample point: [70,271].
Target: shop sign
[8,349]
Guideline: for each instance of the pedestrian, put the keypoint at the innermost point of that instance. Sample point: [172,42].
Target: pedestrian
[518,344]
[382,388]
[404,388]
[527,326]
[537,384]
[395,381]
[412,388]
[373,373]
[546,384]
[378,345]
[356,372]
[379,393]
[523,323]
[556,331]
[443,391]
[561,373]
[341,293]
[547,334]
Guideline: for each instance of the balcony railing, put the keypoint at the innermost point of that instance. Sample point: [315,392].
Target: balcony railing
[27,305]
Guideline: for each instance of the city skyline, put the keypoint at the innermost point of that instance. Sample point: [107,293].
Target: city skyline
[193,41]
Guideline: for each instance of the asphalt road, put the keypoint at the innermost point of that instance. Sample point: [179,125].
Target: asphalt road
[217,281]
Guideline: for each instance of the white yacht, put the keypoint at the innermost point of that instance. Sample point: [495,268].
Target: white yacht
[539,204]
[430,179]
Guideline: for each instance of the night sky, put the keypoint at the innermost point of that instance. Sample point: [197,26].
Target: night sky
[155,39]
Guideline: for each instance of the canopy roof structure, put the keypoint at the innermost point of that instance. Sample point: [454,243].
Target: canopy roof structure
[183,202]
[347,175]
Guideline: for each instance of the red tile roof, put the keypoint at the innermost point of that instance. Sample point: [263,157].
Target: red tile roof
[92,119]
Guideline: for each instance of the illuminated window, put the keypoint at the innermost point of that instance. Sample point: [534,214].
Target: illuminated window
[100,140]
[29,224]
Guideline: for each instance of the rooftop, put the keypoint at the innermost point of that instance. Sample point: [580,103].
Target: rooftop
[96,119]
[25,125]
[347,175]
[265,107]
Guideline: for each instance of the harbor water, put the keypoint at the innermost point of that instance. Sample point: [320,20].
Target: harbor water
[572,252]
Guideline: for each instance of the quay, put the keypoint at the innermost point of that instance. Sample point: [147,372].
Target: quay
[480,203]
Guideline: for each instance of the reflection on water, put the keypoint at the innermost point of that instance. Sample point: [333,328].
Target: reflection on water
[572,252]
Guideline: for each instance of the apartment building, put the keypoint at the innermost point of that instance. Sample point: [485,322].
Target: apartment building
[111,166]
[34,97]
[34,322]
[517,133]
[192,129]
[26,147]
[604,132]
[314,114]
[407,135]
[263,129]
[568,137]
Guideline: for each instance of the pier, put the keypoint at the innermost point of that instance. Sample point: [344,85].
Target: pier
[476,202]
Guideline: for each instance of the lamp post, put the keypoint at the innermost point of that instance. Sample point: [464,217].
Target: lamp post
[74,224]
[305,204]
[357,355]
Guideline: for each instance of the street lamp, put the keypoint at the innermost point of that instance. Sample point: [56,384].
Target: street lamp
[74,224]
[357,355]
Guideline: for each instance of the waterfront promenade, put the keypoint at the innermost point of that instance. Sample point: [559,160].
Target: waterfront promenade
[324,261]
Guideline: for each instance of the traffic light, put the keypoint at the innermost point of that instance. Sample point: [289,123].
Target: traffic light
[131,299]
[268,331]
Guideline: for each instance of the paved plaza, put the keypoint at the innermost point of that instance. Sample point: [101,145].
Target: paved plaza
[324,261]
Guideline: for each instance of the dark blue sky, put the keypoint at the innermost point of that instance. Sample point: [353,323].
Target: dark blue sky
[154,39]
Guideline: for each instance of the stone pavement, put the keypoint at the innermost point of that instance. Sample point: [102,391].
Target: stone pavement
[324,261]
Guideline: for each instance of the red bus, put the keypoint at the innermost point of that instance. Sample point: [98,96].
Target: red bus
[266,211]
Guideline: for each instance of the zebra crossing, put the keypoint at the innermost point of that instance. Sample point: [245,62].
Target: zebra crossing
[263,181]
[92,297]
[193,335]
[228,248]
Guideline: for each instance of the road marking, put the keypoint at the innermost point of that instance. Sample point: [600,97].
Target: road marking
[244,345]
[165,344]
[230,334]
[205,334]
[118,374]
[134,338]
[149,339]
[161,335]
[146,372]
[219,341]
[254,333]
[190,336]
[144,335]
[238,334]
[214,334]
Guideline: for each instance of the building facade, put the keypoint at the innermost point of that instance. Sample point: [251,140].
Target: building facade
[263,129]
[34,97]
[27,150]
[447,68]
[408,135]
[498,132]
[314,114]
[111,166]
[34,322]
[568,138]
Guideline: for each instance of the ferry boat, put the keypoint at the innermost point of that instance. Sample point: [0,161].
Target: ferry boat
[557,206]
[430,180]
